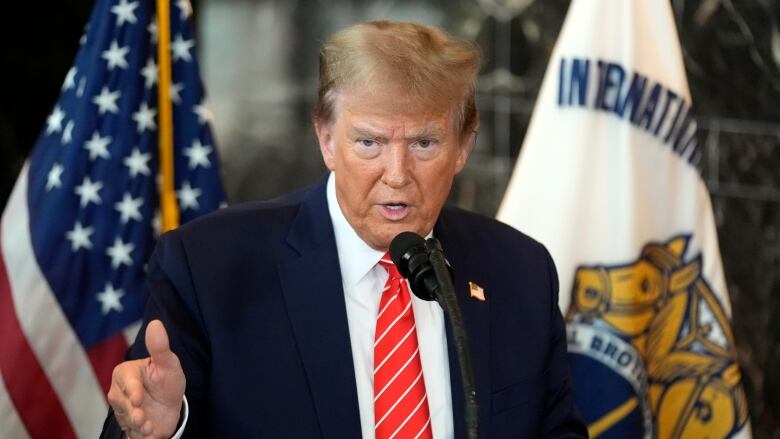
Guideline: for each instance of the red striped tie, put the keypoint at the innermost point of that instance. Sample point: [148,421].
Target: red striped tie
[400,403]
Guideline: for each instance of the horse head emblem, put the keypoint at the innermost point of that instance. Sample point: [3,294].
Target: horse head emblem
[666,310]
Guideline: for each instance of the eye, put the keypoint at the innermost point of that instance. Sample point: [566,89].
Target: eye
[645,285]
[426,149]
[367,148]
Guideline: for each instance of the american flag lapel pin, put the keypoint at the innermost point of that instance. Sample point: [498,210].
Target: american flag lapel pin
[476,292]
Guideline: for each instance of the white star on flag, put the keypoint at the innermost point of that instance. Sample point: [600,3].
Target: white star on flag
[67,134]
[152,28]
[181,48]
[198,154]
[124,12]
[144,117]
[53,179]
[204,114]
[188,196]
[79,237]
[98,146]
[149,72]
[174,91]
[54,121]
[120,253]
[129,208]
[185,8]
[115,56]
[88,191]
[138,163]
[106,100]
[110,299]
[70,79]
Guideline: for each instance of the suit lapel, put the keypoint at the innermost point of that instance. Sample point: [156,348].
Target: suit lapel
[476,315]
[314,297]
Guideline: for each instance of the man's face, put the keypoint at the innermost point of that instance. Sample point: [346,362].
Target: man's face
[394,161]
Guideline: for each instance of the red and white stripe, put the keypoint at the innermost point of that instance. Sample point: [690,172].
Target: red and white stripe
[51,386]
[400,403]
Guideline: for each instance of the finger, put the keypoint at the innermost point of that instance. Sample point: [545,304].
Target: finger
[146,429]
[126,379]
[124,417]
[122,420]
[123,408]
[136,434]
[118,377]
[114,395]
[158,346]
[121,405]
[137,418]
[134,392]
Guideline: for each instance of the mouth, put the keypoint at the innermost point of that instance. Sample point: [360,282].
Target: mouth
[394,211]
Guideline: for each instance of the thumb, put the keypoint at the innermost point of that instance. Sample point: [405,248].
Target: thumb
[158,346]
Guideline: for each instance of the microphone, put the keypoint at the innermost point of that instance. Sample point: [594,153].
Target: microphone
[409,254]
[423,264]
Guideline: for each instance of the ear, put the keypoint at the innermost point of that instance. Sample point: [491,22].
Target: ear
[677,245]
[464,151]
[326,139]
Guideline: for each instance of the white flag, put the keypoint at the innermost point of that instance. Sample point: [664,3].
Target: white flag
[608,180]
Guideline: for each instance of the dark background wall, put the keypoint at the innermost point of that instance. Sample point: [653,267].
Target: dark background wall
[38,46]
[259,64]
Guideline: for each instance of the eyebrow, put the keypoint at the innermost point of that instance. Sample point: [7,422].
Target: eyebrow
[427,132]
[365,132]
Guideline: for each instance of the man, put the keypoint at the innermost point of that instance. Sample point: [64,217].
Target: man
[284,317]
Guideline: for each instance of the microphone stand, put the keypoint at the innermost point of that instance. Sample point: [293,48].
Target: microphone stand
[449,302]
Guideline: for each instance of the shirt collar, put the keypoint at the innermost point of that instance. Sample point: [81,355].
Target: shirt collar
[356,258]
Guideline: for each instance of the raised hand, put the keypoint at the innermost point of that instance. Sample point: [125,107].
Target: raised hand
[147,394]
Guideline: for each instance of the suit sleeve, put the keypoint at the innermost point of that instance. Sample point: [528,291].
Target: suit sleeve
[562,420]
[172,299]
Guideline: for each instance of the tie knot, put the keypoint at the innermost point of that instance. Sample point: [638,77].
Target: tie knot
[388,265]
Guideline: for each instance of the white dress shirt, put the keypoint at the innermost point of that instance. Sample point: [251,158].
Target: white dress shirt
[363,281]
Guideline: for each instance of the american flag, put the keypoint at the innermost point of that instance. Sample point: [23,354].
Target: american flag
[83,217]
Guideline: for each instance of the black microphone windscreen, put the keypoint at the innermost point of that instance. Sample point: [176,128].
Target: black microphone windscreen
[401,244]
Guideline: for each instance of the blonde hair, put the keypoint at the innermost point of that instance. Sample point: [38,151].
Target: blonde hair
[428,64]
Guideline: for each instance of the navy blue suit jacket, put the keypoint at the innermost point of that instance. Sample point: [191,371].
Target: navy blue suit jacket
[252,300]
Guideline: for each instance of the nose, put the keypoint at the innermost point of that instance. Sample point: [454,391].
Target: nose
[397,166]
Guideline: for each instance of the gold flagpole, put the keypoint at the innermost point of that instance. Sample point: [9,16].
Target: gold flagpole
[169,210]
